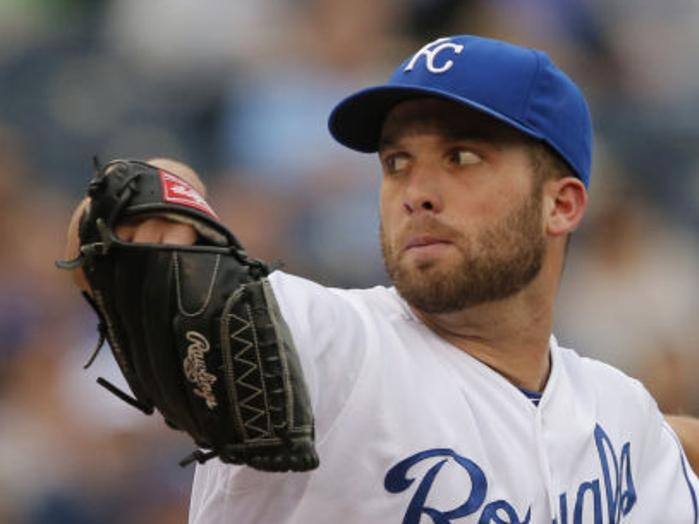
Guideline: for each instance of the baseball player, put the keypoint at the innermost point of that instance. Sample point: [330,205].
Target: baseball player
[446,399]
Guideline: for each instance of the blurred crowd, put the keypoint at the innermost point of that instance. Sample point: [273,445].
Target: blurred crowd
[241,91]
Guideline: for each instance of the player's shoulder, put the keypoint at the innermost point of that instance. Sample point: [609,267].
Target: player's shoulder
[380,300]
[606,383]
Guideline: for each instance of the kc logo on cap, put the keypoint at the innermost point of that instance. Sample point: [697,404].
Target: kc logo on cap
[430,52]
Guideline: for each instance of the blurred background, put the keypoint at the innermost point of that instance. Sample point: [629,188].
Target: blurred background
[241,91]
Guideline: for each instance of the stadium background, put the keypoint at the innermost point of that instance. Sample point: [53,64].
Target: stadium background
[241,90]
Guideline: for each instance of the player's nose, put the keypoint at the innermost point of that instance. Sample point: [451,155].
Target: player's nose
[422,194]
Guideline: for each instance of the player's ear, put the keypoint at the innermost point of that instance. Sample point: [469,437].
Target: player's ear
[565,200]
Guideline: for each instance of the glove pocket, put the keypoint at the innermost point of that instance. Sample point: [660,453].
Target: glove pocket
[159,356]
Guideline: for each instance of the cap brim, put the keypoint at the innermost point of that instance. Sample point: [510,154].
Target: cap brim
[356,122]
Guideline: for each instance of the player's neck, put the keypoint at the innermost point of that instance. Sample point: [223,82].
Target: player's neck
[511,336]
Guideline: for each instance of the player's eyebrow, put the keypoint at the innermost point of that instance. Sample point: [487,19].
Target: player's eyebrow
[449,134]
[479,134]
[387,142]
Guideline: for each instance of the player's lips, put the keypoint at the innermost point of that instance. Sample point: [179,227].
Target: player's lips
[424,241]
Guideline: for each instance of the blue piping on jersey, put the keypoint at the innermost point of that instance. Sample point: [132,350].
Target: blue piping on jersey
[686,477]
[691,488]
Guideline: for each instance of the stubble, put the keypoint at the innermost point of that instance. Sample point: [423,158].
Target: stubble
[495,264]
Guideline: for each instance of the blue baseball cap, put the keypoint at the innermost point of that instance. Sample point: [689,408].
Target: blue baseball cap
[519,86]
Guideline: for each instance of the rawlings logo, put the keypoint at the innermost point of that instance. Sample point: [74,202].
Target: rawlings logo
[430,53]
[195,368]
[177,191]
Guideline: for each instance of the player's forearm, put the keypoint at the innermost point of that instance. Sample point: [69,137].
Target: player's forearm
[687,429]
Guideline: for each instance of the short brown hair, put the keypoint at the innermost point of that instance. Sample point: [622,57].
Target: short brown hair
[547,164]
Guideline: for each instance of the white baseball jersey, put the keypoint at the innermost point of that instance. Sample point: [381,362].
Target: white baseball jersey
[412,430]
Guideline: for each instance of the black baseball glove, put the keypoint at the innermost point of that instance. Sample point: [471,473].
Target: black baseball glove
[196,330]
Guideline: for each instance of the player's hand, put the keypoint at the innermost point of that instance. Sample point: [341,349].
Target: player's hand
[156,230]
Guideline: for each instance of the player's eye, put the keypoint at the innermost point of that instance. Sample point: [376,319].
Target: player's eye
[395,163]
[464,157]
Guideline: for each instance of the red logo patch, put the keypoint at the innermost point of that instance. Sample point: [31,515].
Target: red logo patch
[177,191]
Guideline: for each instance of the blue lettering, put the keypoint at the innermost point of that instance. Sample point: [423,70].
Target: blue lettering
[580,502]
[490,514]
[563,509]
[619,490]
[616,484]
[398,480]
[618,502]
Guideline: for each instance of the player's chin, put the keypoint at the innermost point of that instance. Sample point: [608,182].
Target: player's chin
[424,258]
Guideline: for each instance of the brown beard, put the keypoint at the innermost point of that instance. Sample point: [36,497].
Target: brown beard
[499,262]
